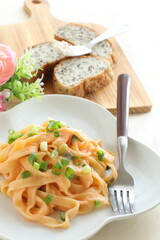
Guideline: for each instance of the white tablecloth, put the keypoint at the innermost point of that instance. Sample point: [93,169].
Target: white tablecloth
[142,47]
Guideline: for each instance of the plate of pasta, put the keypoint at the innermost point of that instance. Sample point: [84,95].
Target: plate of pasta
[57,159]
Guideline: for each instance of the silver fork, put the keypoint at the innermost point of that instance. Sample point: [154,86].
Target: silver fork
[121,192]
[79,50]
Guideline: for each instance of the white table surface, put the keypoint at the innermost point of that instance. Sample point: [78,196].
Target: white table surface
[142,47]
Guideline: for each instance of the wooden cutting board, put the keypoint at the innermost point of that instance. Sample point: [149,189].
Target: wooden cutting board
[41,26]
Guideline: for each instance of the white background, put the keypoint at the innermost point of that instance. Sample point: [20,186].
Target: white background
[142,48]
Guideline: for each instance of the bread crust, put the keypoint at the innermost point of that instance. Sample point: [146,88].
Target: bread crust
[47,69]
[88,85]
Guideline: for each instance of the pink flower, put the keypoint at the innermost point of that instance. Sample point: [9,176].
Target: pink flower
[3,96]
[3,104]
[7,63]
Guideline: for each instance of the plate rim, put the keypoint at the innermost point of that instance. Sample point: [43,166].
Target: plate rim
[52,96]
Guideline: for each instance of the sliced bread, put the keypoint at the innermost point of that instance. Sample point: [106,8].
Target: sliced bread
[81,75]
[78,34]
[46,56]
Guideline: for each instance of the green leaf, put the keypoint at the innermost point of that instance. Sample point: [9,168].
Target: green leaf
[24,90]
[13,135]
[26,67]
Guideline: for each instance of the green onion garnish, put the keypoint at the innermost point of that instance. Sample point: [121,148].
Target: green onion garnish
[57,125]
[25,174]
[69,173]
[100,154]
[10,131]
[54,153]
[62,216]
[33,157]
[48,198]
[44,146]
[97,203]
[13,135]
[56,133]
[49,128]
[33,131]
[107,167]
[76,160]
[63,124]
[74,137]
[63,148]
[57,168]
[68,154]
[110,182]
[43,165]
[36,166]
[65,161]
[86,169]
[53,125]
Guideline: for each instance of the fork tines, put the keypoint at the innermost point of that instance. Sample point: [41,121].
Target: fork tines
[122,201]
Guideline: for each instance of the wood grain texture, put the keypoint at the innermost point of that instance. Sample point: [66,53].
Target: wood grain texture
[40,27]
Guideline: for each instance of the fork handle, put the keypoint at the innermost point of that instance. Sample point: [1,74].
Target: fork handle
[113,31]
[123,89]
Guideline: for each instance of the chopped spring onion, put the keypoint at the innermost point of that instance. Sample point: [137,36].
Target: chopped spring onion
[44,146]
[97,203]
[33,131]
[54,153]
[64,161]
[54,125]
[86,169]
[69,173]
[76,160]
[63,124]
[56,133]
[68,154]
[36,166]
[57,125]
[33,157]
[100,154]
[13,135]
[62,216]
[49,128]
[48,198]
[25,174]
[74,137]
[57,168]
[63,148]
[43,165]
[110,182]
[107,167]
[10,131]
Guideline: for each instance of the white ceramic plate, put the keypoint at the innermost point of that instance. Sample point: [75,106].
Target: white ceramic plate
[95,121]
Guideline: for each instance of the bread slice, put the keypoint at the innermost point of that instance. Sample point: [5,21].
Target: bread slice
[46,56]
[81,75]
[78,34]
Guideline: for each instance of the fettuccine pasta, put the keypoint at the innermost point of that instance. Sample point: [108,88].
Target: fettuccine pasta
[52,168]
